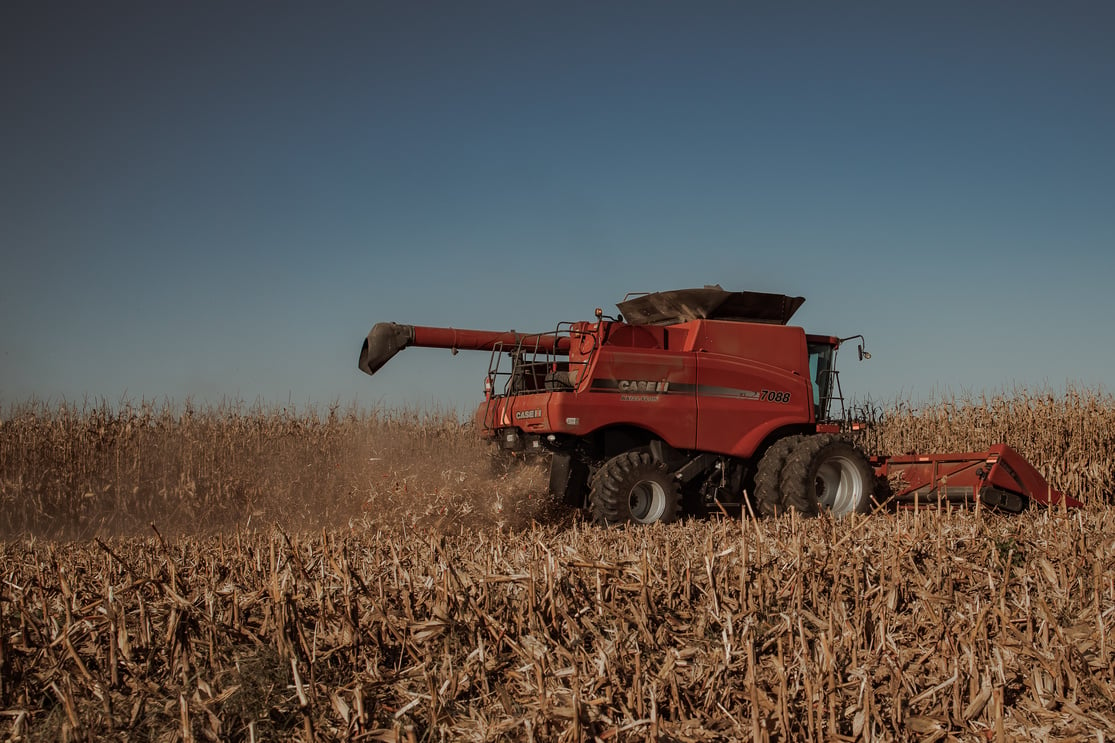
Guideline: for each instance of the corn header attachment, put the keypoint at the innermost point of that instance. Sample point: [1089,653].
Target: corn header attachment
[999,478]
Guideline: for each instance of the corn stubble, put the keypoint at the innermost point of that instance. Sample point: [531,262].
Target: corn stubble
[381,580]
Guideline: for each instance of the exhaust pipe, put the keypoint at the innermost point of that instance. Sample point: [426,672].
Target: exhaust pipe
[385,340]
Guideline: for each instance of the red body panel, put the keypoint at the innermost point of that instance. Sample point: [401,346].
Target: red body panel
[717,386]
[607,394]
[749,384]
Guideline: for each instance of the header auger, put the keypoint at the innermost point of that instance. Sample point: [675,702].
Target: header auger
[701,399]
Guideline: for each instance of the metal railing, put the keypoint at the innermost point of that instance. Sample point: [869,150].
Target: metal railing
[831,393]
[535,368]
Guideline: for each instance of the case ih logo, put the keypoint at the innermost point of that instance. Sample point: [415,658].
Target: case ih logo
[526,415]
[642,385]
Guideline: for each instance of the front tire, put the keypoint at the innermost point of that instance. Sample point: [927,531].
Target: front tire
[634,487]
[825,472]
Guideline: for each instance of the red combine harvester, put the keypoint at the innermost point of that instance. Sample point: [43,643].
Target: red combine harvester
[697,400]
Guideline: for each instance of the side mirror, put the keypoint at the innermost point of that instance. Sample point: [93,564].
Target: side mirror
[863,354]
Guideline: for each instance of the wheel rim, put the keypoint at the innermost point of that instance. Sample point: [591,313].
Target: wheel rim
[647,501]
[841,485]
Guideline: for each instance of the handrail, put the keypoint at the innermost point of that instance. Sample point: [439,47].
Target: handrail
[535,366]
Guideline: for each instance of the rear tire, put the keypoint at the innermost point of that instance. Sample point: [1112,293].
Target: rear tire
[827,472]
[634,487]
[768,477]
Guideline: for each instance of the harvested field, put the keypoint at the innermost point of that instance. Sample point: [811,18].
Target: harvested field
[241,574]
[895,627]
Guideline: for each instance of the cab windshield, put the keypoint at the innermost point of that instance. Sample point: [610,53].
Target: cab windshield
[821,373]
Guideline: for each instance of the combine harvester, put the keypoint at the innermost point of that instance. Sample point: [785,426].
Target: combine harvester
[698,400]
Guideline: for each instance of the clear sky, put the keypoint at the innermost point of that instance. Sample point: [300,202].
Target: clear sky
[218,199]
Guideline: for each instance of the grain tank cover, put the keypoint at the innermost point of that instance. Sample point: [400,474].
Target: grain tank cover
[709,303]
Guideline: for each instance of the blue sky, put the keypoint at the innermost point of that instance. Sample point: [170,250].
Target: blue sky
[218,200]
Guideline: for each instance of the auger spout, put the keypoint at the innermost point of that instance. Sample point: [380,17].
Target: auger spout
[384,341]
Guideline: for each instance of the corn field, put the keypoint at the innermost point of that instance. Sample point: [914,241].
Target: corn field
[76,473]
[244,574]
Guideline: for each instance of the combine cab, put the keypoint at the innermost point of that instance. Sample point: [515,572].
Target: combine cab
[697,400]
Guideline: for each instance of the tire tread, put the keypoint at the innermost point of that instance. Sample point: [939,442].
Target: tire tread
[798,474]
[612,484]
[768,477]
